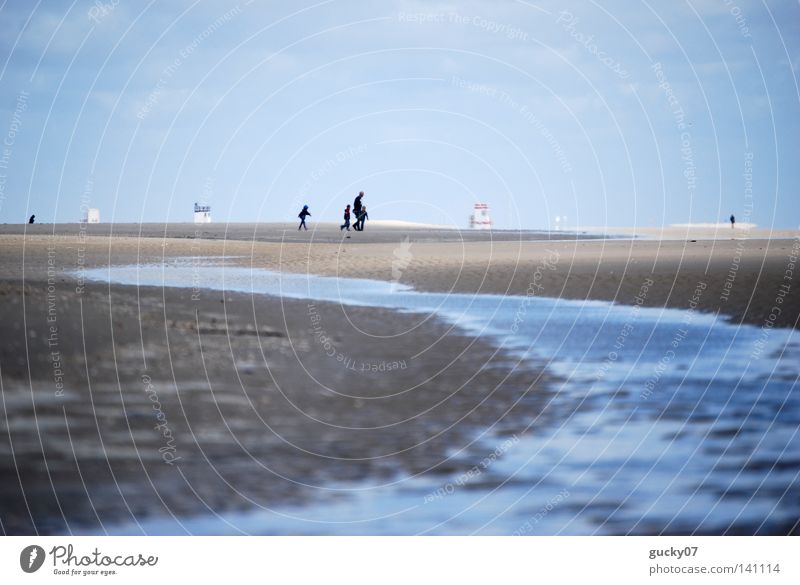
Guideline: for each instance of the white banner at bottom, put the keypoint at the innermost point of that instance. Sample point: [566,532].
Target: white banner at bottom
[400,560]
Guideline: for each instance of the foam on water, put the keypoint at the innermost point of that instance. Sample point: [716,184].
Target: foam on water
[673,421]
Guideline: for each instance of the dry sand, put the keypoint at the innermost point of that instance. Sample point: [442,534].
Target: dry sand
[255,408]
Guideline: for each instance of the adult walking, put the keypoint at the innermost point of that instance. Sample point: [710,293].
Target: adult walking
[357,204]
[357,210]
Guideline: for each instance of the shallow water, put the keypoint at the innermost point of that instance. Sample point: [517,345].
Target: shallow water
[663,421]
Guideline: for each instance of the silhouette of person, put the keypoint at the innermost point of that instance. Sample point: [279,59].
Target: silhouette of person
[357,204]
[733,221]
[302,215]
[359,225]
[346,223]
[32,219]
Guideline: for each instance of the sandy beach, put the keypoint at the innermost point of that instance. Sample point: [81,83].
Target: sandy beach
[743,271]
[381,269]
[252,409]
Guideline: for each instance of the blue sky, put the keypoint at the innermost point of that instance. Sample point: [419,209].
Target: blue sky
[620,113]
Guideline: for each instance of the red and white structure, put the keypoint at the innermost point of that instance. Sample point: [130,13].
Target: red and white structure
[480,219]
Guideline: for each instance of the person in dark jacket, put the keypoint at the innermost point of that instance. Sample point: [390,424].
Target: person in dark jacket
[346,223]
[302,215]
[733,221]
[32,219]
[357,204]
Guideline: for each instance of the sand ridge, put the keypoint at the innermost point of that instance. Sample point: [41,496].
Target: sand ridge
[743,279]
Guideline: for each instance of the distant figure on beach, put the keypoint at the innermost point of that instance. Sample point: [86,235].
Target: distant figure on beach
[360,218]
[733,221]
[357,207]
[32,219]
[302,215]
[346,223]
[357,204]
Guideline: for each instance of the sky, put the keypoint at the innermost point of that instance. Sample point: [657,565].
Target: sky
[619,113]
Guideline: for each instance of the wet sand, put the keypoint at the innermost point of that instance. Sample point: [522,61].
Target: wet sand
[147,402]
[151,402]
[744,278]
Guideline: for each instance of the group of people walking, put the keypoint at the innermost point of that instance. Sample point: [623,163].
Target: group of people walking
[359,211]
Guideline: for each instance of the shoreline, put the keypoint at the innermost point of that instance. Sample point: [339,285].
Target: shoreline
[744,280]
[174,402]
[252,409]
[251,412]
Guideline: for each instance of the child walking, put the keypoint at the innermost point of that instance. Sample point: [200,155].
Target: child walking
[361,218]
[346,223]
[302,215]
